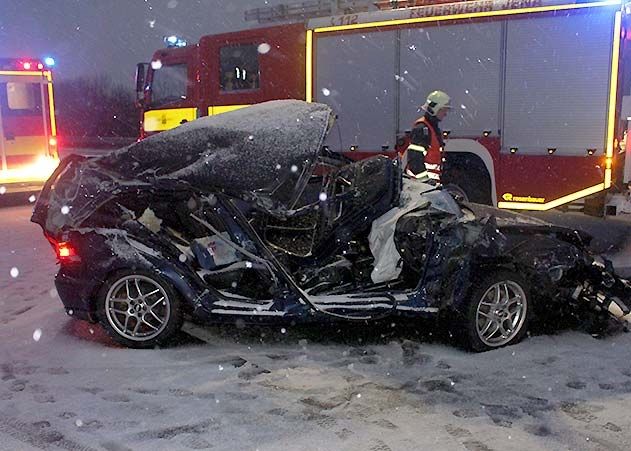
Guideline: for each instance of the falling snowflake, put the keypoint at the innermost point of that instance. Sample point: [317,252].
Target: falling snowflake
[277,167]
[323,197]
[463,107]
[79,423]
[283,330]
[70,312]
[294,168]
[152,23]
[248,264]
[326,92]
[2,190]
[263,48]
[182,258]
[53,293]
[251,138]
[37,334]
[14,272]
[359,395]
[233,284]
[157,64]
[32,198]
[220,368]
[65,210]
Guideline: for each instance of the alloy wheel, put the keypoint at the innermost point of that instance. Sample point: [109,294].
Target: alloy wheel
[501,313]
[137,307]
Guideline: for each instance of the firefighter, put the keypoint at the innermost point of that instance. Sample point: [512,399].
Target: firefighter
[425,152]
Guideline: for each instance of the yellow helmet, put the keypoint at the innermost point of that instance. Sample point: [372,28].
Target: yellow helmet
[436,101]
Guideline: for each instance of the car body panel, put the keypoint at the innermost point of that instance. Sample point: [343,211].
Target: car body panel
[248,217]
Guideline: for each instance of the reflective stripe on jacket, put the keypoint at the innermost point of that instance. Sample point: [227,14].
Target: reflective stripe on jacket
[434,154]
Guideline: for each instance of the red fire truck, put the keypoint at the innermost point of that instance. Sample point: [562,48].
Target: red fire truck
[537,87]
[28,132]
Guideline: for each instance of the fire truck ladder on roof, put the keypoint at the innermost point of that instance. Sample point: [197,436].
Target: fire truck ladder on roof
[307,9]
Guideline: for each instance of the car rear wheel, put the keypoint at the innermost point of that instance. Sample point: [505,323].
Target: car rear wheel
[139,309]
[498,312]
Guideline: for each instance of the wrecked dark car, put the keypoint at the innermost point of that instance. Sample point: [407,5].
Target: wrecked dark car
[246,216]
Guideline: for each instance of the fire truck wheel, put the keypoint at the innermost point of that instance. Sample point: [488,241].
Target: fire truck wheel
[497,312]
[139,309]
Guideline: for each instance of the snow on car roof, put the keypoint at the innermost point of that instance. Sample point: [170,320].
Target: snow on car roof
[253,149]
[248,149]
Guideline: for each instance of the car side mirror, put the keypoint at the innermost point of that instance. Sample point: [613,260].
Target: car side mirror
[141,79]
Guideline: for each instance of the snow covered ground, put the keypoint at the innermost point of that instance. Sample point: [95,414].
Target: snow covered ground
[65,385]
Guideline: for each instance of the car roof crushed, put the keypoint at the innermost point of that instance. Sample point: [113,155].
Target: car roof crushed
[249,153]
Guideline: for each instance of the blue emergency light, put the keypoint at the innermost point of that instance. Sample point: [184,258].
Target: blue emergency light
[174,41]
[49,61]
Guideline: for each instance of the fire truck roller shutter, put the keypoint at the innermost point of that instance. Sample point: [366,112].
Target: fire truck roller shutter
[355,76]
[557,80]
[461,59]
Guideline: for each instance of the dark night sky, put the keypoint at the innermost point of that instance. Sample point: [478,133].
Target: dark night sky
[111,36]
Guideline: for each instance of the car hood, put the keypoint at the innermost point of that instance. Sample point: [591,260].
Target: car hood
[265,151]
[513,222]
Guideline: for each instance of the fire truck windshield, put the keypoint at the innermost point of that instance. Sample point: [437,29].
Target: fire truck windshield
[168,84]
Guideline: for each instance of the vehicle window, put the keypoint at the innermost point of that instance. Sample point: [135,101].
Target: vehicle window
[239,67]
[169,84]
[18,99]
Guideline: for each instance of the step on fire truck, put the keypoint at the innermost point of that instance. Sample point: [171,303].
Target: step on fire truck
[537,87]
[28,131]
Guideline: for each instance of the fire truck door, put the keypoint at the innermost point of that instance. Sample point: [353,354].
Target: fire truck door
[24,120]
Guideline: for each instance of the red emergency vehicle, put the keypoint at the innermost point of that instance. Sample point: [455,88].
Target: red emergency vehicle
[28,131]
[537,87]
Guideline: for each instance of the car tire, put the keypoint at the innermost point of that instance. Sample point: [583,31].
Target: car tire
[457,192]
[497,312]
[139,309]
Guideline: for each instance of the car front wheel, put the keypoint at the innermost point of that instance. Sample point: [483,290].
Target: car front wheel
[139,309]
[498,312]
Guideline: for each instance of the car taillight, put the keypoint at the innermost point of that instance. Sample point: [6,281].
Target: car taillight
[64,250]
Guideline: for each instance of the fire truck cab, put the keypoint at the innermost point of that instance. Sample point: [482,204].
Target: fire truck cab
[221,73]
[28,131]
[536,86]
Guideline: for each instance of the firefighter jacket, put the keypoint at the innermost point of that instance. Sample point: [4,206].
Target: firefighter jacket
[425,152]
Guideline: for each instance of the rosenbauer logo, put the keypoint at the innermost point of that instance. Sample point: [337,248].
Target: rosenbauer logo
[508,197]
